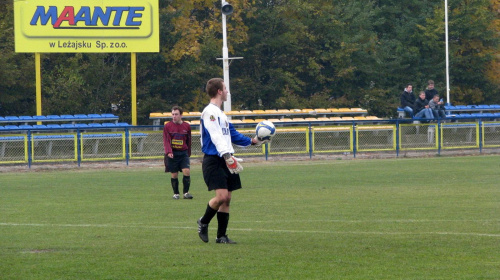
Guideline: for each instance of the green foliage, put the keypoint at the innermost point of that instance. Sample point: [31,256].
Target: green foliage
[296,54]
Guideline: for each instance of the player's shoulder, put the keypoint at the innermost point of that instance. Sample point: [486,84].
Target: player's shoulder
[210,110]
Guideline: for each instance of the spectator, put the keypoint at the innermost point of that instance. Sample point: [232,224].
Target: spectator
[437,108]
[422,110]
[408,100]
[430,91]
[177,145]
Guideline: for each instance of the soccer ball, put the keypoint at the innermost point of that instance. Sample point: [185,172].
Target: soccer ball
[265,130]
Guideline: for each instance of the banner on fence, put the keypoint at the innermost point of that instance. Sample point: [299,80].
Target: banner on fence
[92,26]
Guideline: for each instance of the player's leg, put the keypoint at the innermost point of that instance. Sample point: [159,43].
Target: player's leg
[186,177]
[223,221]
[233,183]
[174,181]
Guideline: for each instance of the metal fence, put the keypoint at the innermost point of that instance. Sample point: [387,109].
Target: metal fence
[309,139]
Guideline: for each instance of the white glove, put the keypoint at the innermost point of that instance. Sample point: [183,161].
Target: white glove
[232,164]
[260,142]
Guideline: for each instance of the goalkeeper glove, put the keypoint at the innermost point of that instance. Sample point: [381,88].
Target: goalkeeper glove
[232,164]
[257,142]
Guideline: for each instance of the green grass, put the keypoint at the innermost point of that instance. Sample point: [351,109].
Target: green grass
[428,218]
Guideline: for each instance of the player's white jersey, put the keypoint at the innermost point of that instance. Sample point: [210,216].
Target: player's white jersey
[217,134]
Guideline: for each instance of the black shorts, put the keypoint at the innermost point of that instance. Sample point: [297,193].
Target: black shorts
[217,175]
[176,164]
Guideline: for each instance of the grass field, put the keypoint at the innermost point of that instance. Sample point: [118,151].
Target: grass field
[426,218]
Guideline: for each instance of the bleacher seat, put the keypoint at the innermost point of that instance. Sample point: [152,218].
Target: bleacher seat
[94,116]
[274,120]
[53,126]
[39,118]
[156,115]
[81,116]
[36,126]
[108,124]
[12,118]
[94,125]
[320,111]
[25,126]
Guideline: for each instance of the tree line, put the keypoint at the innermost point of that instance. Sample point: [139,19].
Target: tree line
[297,54]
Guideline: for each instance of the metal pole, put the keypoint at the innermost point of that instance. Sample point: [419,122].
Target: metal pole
[448,100]
[225,63]
[133,82]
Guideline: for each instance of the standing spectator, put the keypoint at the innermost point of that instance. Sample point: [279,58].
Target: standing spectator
[177,144]
[430,91]
[220,168]
[422,110]
[408,100]
[436,106]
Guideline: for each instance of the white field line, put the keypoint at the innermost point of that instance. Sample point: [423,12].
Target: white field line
[250,229]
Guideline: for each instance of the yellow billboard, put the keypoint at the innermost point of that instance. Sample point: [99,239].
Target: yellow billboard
[92,26]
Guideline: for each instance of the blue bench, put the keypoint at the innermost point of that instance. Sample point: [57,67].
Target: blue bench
[59,118]
[466,111]
[57,137]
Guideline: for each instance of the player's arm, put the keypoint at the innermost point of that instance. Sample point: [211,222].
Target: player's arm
[189,140]
[167,140]
[239,139]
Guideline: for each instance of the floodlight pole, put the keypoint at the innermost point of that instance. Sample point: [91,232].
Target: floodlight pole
[225,63]
[447,53]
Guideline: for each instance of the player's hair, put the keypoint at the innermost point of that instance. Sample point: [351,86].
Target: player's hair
[430,82]
[178,108]
[213,85]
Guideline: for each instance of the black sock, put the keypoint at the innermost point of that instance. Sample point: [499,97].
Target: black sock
[186,182]
[223,220]
[209,214]
[175,185]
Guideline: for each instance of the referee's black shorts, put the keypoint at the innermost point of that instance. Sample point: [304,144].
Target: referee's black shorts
[217,175]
